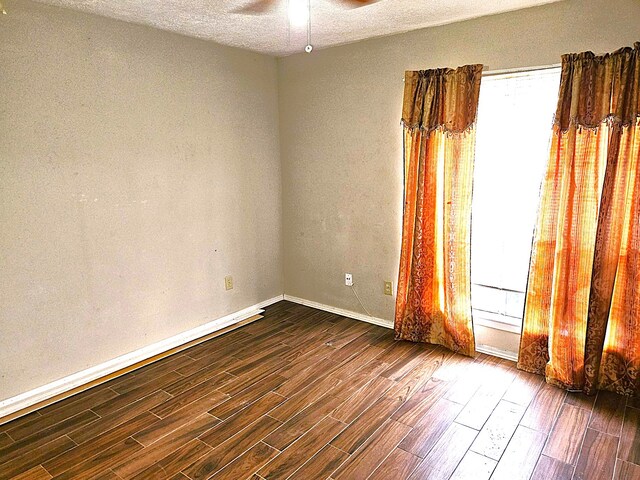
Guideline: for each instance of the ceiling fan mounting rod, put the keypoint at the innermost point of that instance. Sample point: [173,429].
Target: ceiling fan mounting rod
[309,47]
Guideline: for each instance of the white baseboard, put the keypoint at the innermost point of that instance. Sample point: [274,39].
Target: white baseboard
[508,355]
[339,311]
[50,390]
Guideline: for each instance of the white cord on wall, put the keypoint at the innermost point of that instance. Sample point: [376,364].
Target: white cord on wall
[353,288]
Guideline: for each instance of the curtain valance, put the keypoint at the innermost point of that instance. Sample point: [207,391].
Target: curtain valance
[443,98]
[598,88]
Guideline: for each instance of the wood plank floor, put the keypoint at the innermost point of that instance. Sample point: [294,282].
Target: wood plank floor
[305,394]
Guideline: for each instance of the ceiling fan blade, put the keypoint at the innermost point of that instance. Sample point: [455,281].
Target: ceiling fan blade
[256,7]
[358,3]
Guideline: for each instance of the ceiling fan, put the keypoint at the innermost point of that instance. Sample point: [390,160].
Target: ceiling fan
[256,7]
[299,11]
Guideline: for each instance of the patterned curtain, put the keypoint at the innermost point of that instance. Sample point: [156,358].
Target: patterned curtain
[434,286]
[582,313]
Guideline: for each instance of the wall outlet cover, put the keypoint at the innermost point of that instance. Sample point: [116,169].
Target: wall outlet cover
[388,288]
[348,279]
[228,282]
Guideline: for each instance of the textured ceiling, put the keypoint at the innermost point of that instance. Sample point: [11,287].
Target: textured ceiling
[332,22]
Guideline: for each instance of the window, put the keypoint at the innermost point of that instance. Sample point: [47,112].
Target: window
[515,114]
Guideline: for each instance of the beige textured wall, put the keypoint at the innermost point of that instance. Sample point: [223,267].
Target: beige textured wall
[137,169]
[341,137]
[128,189]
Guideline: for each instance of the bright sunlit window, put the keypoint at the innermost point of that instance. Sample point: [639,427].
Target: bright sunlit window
[515,115]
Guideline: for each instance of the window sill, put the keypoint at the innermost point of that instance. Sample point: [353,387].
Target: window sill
[486,319]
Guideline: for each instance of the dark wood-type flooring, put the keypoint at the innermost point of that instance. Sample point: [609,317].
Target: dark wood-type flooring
[306,394]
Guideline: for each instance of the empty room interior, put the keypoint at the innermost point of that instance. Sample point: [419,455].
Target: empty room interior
[320,239]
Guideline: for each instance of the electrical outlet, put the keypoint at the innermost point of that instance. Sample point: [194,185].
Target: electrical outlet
[348,279]
[388,288]
[228,282]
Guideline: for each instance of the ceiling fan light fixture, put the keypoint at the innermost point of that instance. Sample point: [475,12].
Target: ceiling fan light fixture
[298,13]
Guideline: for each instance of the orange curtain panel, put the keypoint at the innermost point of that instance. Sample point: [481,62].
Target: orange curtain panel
[582,313]
[434,286]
